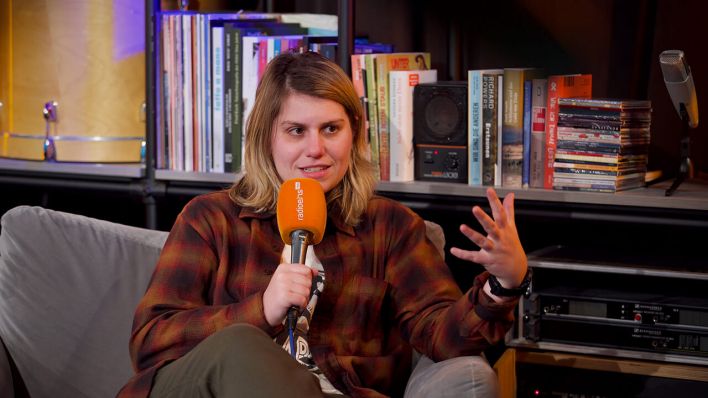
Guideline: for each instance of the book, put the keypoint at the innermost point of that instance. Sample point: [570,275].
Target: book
[217,99]
[526,165]
[475,124]
[401,85]
[384,63]
[513,125]
[188,93]
[538,132]
[369,71]
[560,86]
[358,62]
[492,90]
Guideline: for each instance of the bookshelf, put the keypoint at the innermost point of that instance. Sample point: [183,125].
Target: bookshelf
[626,37]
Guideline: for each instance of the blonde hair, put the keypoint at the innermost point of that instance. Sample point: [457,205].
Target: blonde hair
[310,74]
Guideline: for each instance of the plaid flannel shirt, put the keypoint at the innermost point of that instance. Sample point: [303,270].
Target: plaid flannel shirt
[386,286]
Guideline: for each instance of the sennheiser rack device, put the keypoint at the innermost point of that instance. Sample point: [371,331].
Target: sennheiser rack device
[646,307]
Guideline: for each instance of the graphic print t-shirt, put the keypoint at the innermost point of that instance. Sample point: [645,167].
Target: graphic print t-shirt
[302,348]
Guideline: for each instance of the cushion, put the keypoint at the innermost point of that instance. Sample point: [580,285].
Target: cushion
[7,388]
[69,286]
[435,233]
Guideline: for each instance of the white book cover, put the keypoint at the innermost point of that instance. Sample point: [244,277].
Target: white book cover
[401,85]
[217,95]
[178,90]
[270,49]
[187,92]
[199,73]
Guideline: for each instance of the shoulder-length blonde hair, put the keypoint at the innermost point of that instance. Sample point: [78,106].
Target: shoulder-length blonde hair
[310,74]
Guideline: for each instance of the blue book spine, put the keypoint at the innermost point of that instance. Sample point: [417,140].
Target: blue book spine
[526,165]
[474,127]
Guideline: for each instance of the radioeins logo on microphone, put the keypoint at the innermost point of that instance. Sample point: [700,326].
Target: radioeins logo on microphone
[300,202]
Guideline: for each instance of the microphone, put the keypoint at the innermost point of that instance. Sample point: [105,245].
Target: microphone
[302,218]
[679,83]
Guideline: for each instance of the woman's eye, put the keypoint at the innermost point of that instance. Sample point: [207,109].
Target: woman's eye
[331,129]
[295,131]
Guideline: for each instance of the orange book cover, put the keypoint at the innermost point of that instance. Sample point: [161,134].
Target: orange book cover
[560,86]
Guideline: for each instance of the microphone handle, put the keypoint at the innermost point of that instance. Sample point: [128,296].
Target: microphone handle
[297,256]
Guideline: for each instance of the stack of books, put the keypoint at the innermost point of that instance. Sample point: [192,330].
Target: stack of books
[602,144]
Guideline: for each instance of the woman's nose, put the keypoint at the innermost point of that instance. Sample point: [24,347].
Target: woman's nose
[315,144]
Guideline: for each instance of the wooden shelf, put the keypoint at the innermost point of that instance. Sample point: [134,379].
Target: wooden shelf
[611,364]
[122,170]
[690,195]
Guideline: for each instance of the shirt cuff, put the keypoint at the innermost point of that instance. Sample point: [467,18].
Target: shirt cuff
[485,307]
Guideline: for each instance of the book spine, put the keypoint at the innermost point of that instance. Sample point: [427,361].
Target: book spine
[187,93]
[359,80]
[177,131]
[560,86]
[198,69]
[199,89]
[249,76]
[512,128]
[262,57]
[167,43]
[206,79]
[236,102]
[228,96]
[370,70]
[401,86]
[489,119]
[526,165]
[474,127]
[500,120]
[538,131]
[382,69]
[217,93]
[551,125]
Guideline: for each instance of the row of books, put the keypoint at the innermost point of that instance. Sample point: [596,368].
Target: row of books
[385,83]
[513,116]
[526,130]
[210,66]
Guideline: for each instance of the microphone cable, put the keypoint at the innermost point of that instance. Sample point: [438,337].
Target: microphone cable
[292,321]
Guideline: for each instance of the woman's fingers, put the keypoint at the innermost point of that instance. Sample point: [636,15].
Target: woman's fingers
[478,239]
[509,208]
[498,211]
[487,222]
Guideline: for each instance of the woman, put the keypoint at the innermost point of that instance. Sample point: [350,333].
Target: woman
[212,320]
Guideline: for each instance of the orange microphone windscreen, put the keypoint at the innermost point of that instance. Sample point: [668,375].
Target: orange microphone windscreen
[301,206]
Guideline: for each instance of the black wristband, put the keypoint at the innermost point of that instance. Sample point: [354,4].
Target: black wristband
[500,291]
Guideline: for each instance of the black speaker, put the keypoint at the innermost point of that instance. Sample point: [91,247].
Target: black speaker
[440,131]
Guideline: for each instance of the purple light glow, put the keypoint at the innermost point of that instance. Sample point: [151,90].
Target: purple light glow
[128,28]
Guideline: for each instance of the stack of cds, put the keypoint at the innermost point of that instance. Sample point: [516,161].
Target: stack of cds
[602,144]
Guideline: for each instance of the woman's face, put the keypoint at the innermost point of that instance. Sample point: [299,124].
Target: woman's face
[312,137]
